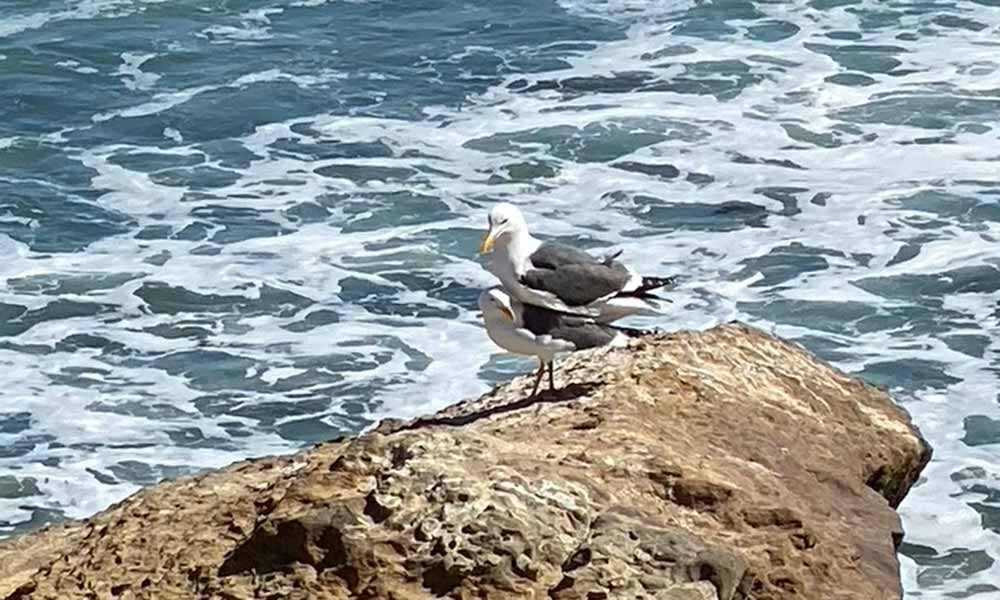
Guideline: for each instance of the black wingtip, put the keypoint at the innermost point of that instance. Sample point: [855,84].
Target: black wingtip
[653,283]
[610,258]
[648,285]
[636,333]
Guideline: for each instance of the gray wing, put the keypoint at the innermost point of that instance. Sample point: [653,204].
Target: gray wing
[576,277]
[582,332]
[552,255]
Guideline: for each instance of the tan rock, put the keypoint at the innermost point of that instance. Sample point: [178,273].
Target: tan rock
[719,465]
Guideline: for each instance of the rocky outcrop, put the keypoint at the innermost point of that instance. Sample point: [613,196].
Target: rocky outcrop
[721,465]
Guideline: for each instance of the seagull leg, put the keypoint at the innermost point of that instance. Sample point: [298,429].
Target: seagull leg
[538,379]
[552,382]
[541,371]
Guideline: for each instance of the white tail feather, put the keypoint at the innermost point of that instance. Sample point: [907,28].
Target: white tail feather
[626,306]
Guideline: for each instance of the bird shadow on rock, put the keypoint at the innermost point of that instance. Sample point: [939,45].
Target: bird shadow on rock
[563,394]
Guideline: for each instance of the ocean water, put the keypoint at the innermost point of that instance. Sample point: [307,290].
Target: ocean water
[236,227]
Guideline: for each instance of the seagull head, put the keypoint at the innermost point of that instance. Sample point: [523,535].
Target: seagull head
[506,221]
[495,303]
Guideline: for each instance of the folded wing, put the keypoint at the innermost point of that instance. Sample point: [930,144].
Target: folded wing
[574,276]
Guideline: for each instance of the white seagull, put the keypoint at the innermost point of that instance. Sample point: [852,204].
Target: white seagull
[533,331]
[562,278]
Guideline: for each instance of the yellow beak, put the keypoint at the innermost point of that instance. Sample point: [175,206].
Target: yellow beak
[486,245]
[507,313]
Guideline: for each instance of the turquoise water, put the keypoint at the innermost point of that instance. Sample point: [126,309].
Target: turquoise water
[232,228]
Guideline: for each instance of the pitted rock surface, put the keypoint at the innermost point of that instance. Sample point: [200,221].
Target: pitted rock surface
[719,465]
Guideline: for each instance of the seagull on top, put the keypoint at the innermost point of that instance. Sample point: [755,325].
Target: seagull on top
[534,331]
[562,278]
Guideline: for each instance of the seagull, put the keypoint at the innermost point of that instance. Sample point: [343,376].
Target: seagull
[562,278]
[533,331]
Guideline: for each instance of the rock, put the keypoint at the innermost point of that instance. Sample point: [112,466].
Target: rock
[719,465]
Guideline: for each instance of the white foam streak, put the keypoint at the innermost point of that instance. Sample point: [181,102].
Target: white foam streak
[75,10]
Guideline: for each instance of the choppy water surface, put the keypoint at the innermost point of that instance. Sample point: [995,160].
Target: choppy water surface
[232,228]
